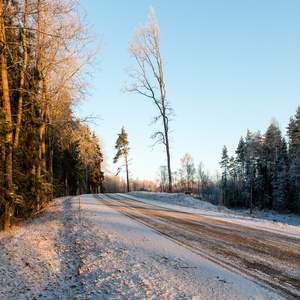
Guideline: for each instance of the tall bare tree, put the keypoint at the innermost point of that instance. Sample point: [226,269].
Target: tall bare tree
[149,78]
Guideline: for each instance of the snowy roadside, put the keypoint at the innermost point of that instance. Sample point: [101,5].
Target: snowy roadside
[107,256]
[29,264]
[287,224]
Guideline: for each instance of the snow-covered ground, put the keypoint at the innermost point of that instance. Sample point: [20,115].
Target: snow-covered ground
[98,253]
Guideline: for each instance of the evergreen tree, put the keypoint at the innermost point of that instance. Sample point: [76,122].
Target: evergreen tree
[225,166]
[123,149]
[97,175]
[257,191]
[241,158]
[293,133]
[266,168]
[275,156]
[233,172]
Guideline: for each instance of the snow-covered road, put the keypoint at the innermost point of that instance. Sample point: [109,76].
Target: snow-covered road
[109,255]
[267,257]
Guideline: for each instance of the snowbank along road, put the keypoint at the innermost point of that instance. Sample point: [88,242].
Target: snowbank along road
[124,247]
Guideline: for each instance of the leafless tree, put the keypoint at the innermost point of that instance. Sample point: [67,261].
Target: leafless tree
[162,176]
[202,178]
[148,77]
[187,169]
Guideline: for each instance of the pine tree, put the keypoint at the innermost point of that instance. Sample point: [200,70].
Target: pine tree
[123,149]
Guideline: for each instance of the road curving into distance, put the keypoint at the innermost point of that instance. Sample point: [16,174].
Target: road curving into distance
[268,258]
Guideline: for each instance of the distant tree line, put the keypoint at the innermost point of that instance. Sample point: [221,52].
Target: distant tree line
[191,179]
[118,184]
[44,150]
[265,173]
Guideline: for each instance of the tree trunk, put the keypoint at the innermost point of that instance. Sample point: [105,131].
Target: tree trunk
[38,66]
[168,154]
[220,200]
[44,104]
[9,135]
[22,79]
[298,195]
[127,171]
[251,200]
[41,156]
[66,186]
[51,162]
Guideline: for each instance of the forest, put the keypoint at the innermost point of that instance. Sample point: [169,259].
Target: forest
[45,150]
[265,172]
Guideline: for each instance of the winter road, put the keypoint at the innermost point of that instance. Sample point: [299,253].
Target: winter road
[266,257]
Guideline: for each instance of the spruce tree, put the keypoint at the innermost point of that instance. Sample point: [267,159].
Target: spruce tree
[97,175]
[275,157]
[225,166]
[241,157]
[293,133]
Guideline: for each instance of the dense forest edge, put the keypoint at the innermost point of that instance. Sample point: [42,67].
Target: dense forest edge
[46,151]
[265,172]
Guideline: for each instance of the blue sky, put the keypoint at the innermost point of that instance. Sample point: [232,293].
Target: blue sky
[230,65]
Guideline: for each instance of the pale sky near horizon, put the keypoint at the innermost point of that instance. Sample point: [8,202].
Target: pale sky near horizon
[230,65]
